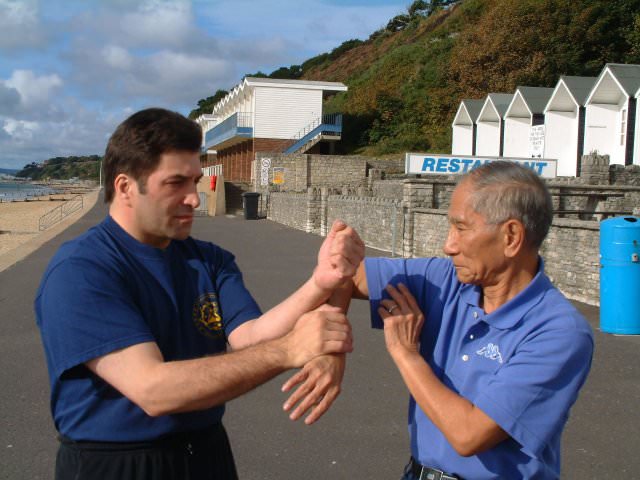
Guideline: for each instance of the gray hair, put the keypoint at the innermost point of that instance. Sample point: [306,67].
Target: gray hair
[505,190]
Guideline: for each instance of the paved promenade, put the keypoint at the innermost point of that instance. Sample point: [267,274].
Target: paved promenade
[362,437]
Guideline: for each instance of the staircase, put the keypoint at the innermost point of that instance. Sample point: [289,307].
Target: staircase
[327,127]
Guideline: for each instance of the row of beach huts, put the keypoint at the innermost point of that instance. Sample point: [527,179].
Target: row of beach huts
[579,116]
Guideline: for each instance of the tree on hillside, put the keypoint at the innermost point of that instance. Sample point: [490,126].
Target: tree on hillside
[205,105]
[533,42]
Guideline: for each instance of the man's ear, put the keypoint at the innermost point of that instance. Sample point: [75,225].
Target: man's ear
[513,232]
[123,188]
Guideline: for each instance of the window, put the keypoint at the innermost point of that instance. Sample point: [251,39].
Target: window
[623,126]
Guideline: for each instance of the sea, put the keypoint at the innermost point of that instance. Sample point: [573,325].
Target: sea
[18,191]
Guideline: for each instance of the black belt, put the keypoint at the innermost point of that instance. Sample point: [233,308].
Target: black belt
[428,473]
[183,440]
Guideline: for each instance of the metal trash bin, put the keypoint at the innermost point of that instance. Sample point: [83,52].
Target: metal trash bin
[620,275]
[250,205]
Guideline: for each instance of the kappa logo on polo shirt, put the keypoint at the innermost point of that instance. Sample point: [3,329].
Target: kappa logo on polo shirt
[206,316]
[491,351]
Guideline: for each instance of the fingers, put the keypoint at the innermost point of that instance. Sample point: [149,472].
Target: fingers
[321,407]
[321,386]
[398,297]
[298,378]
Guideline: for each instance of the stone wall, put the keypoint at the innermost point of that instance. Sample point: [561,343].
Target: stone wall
[572,258]
[379,222]
[408,216]
[288,209]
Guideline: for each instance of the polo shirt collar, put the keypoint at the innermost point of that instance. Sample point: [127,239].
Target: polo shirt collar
[509,314]
[134,245]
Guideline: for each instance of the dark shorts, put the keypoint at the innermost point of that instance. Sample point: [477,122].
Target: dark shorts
[202,455]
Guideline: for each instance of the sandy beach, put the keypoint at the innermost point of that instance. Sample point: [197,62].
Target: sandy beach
[19,224]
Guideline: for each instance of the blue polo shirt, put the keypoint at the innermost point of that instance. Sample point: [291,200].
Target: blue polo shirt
[522,365]
[104,291]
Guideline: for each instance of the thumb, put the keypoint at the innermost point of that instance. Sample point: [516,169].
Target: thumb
[336,227]
[328,308]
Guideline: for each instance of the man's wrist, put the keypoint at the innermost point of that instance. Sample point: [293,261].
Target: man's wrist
[322,293]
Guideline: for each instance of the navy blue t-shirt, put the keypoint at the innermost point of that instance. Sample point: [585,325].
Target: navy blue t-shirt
[104,291]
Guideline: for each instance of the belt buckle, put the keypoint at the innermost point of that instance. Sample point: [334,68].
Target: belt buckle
[430,474]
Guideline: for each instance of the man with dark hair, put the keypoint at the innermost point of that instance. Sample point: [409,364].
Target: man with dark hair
[133,313]
[492,354]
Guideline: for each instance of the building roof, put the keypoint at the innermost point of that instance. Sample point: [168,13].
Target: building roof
[468,112]
[627,75]
[616,79]
[570,94]
[249,83]
[500,101]
[307,84]
[535,98]
[579,87]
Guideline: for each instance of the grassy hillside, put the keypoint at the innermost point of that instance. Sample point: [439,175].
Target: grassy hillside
[406,81]
[63,168]
[405,86]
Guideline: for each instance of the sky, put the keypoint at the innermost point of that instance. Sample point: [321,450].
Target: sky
[72,70]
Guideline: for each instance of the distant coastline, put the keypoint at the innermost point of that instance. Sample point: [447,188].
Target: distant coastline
[11,191]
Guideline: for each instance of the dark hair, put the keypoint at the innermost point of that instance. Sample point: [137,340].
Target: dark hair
[137,144]
[505,190]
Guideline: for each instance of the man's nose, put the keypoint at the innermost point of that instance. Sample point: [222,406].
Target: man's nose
[450,246]
[192,199]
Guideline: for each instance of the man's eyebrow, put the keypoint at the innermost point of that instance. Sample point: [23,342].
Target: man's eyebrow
[176,176]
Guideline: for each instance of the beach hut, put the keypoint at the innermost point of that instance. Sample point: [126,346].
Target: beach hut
[611,113]
[526,110]
[463,140]
[564,118]
[266,114]
[490,126]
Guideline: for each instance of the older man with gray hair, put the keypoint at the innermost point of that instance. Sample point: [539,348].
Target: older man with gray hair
[491,352]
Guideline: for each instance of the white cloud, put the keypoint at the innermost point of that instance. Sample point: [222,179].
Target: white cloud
[19,25]
[117,57]
[159,23]
[34,90]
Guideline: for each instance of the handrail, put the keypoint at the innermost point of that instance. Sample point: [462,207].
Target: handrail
[331,123]
[60,212]
[328,119]
[229,126]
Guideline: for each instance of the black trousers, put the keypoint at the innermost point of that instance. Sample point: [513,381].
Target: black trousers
[201,455]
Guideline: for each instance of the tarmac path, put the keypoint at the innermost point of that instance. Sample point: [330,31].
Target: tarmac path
[363,436]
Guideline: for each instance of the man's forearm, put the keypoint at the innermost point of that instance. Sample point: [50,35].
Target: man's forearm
[280,319]
[190,385]
[466,427]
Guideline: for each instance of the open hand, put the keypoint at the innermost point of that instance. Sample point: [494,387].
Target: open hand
[403,320]
[318,387]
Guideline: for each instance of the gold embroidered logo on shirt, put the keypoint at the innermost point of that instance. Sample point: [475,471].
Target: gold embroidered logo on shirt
[206,316]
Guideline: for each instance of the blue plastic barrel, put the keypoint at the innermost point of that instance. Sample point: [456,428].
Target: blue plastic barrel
[620,275]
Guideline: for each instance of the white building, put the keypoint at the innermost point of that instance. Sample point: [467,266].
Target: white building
[265,114]
[610,114]
[463,140]
[526,110]
[564,118]
[490,126]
